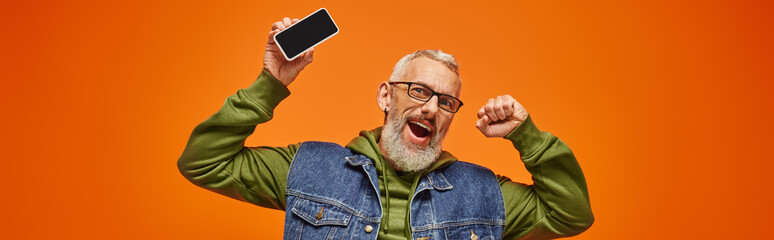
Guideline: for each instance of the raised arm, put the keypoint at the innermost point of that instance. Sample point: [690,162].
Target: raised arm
[557,204]
[215,157]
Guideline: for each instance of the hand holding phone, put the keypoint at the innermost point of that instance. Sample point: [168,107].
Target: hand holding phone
[273,61]
[291,44]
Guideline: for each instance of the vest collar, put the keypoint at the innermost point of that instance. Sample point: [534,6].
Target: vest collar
[433,179]
[436,180]
[358,161]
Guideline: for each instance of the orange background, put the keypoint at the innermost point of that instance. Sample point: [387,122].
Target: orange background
[666,104]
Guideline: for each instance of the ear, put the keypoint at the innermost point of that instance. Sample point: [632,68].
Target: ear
[383,96]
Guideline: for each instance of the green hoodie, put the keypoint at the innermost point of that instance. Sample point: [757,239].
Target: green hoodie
[215,158]
[398,188]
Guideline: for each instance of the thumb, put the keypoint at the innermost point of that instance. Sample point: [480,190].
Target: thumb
[309,56]
[482,123]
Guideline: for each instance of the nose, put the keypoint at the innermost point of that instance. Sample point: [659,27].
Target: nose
[430,108]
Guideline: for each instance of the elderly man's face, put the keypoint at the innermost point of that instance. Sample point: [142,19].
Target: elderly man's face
[414,130]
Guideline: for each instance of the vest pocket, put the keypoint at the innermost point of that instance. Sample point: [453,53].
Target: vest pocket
[317,219]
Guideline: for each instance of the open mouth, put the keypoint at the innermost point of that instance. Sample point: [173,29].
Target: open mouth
[419,129]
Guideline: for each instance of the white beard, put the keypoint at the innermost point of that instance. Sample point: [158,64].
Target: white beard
[405,155]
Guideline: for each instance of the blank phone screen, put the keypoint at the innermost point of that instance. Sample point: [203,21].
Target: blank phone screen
[306,33]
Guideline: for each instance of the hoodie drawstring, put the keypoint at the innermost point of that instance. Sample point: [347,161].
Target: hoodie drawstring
[387,193]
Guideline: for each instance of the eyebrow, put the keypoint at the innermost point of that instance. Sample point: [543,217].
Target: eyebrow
[434,89]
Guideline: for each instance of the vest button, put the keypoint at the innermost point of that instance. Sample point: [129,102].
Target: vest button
[369,229]
[319,214]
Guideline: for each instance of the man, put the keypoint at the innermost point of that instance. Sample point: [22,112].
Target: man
[393,182]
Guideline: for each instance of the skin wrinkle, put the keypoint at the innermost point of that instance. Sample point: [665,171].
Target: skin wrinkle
[406,155]
[399,151]
[402,153]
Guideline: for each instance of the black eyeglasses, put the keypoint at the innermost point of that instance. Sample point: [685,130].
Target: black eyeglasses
[423,93]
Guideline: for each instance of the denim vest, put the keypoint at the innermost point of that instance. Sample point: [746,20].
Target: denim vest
[333,193]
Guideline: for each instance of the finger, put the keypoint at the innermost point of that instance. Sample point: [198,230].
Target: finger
[294,21]
[486,120]
[498,108]
[277,25]
[271,35]
[490,110]
[286,21]
[508,105]
[481,112]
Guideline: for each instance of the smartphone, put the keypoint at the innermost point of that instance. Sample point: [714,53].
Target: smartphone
[305,34]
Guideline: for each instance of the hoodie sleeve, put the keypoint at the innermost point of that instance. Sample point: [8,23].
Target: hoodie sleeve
[557,204]
[215,157]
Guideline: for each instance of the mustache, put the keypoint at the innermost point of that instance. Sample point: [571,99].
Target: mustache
[420,117]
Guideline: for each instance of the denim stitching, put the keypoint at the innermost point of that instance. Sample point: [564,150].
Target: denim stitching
[331,202]
[440,175]
[457,224]
[331,233]
[319,222]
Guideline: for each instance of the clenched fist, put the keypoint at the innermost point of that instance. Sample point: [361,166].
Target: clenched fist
[285,71]
[499,116]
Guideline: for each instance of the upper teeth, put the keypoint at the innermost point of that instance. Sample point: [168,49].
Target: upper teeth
[423,126]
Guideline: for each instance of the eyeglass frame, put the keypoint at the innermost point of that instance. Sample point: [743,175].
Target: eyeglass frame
[434,93]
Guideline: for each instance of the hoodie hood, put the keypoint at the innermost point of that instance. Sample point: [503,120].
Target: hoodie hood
[368,144]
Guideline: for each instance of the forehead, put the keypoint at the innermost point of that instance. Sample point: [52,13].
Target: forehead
[433,74]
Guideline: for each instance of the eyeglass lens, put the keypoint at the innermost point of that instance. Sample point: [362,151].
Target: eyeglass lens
[422,93]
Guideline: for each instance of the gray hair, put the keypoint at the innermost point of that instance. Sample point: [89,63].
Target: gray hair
[437,55]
